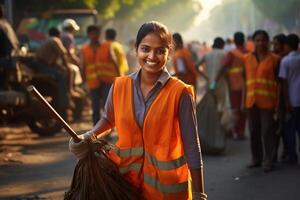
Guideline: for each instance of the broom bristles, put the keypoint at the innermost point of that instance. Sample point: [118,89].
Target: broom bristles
[97,177]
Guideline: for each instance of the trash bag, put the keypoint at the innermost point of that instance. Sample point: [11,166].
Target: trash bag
[97,177]
[211,132]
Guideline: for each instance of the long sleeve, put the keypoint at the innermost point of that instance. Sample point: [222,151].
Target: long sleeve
[189,131]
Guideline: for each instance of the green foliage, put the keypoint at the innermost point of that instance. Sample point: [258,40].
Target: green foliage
[286,13]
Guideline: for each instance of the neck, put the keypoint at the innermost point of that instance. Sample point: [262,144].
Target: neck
[261,53]
[149,79]
[94,43]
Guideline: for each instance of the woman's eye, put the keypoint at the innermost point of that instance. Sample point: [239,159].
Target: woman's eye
[161,51]
[145,49]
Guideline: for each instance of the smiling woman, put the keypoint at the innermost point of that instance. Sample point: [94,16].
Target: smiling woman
[158,148]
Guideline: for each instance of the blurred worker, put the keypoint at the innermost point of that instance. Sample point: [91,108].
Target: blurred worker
[278,49]
[235,67]
[51,59]
[215,102]
[91,61]
[117,54]
[290,73]
[261,100]
[70,27]
[183,64]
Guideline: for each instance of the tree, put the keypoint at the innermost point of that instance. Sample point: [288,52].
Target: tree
[166,12]
[286,13]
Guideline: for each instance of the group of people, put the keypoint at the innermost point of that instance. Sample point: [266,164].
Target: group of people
[263,85]
[98,63]
[259,85]
[154,112]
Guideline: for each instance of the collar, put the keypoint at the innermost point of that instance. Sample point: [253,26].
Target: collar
[162,80]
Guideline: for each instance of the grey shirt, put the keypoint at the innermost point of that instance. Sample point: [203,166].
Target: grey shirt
[187,115]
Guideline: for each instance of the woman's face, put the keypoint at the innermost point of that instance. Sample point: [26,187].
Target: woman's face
[261,43]
[152,54]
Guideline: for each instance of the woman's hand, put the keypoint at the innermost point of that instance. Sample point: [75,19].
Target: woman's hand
[80,149]
[199,196]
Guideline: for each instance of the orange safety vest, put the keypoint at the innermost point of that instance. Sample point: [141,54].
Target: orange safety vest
[99,66]
[262,87]
[152,157]
[191,73]
[236,70]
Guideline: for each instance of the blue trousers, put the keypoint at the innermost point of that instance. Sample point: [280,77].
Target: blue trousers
[293,126]
[98,97]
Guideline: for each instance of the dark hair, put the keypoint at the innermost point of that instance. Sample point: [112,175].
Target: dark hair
[156,28]
[218,43]
[239,38]
[53,32]
[280,38]
[292,40]
[261,32]
[178,42]
[92,28]
[110,34]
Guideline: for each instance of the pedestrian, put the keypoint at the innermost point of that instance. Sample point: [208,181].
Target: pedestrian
[278,49]
[51,58]
[234,65]
[261,100]
[290,73]
[158,147]
[183,64]
[70,27]
[214,104]
[213,66]
[91,61]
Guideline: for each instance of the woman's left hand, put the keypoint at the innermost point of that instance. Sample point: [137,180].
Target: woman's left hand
[199,196]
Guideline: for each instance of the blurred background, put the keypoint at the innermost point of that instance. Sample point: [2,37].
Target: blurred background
[196,19]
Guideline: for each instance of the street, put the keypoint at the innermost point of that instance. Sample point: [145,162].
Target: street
[41,168]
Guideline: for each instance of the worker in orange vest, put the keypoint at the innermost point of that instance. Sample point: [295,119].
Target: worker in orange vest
[99,70]
[158,148]
[183,64]
[234,65]
[261,100]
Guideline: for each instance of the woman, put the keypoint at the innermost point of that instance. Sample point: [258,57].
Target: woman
[261,100]
[154,115]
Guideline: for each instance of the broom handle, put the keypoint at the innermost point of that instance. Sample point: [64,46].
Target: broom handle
[51,110]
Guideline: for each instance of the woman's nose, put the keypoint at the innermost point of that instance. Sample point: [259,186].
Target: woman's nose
[151,54]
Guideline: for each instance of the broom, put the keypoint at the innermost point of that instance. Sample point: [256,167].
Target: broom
[95,176]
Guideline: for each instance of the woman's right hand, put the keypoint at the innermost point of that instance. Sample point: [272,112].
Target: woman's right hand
[80,149]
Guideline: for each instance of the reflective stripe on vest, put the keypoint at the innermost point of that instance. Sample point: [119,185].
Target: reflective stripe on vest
[131,167]
[262,81]
[138,151]
[162,165]
[234,70]
[170,188]
[166,165]
[261,92]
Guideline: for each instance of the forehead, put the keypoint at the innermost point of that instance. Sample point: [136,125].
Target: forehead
[152,40]
[260,36]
